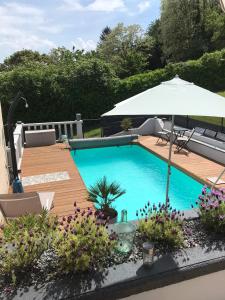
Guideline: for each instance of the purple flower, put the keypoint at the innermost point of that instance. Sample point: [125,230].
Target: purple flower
[221,217]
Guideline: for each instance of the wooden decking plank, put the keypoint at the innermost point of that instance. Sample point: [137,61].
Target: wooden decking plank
[192,163]
[50,159]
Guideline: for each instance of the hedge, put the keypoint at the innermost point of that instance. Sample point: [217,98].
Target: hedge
[207,72]
[58,92]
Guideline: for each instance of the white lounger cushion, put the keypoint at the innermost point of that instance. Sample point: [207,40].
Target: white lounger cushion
[16,205]
[46,199]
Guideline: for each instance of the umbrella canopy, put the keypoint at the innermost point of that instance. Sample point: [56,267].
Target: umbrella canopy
[173,97]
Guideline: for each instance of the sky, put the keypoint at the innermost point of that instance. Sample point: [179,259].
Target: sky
[45,24]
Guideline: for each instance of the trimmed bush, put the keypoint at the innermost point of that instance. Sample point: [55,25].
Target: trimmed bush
[212,210]
[90,86]
[22,242]
[162,226]
[58,92]
[82,242]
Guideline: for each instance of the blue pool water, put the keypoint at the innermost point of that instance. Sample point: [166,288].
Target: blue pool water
[140,172]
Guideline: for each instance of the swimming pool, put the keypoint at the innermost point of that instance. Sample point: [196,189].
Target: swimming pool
[140,172]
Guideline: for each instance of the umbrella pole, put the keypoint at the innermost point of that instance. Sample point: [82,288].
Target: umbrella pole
[169,163]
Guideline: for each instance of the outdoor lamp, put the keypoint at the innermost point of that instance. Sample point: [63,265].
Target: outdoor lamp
[17,185]
[148,253]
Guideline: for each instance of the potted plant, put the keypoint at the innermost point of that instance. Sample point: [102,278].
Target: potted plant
[126,124]
[103,194]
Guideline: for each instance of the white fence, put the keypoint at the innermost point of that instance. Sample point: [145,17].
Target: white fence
[68,128]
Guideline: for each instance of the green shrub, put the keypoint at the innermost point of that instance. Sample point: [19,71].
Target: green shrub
[23,241]
[207,72]
[161,226]
[58,92]
[89,86]
[126,124]
[82,242]
[212,210]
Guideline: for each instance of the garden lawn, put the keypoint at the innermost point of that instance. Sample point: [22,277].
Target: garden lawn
[211,120]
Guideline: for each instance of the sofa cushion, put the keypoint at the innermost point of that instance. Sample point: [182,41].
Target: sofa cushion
[210,133]
[220,136]
[199,130]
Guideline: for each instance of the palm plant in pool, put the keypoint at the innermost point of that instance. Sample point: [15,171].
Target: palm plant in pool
[103,194]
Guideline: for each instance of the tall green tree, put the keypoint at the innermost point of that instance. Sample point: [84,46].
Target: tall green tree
[107,30]
[191,27]
[23,57]
[126,48]
[181,29]
[156,59]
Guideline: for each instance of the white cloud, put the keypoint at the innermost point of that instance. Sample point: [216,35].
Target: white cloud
[81,44]
[96,5]
[108,6]
[143,6]
[22,27]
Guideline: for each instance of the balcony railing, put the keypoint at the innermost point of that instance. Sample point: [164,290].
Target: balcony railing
[71,129]
[68,128]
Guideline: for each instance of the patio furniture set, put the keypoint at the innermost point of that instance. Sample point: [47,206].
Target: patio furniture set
[179,137]
[181,140]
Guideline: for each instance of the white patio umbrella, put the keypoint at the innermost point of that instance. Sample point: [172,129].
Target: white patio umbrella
[175,97]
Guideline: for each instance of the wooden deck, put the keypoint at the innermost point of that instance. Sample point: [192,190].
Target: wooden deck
[57,158]
[195,165]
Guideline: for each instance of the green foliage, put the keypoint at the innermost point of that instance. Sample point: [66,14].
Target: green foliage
[156,59]
[24,57]
[96,132]
[182,30]
[207,72]
[104,194]
[79,243]
[126,48]
[191,28]
[162,227]
[58,92]
[212,210]
[107,30]
[126,124]
[23,241]
[82,243]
